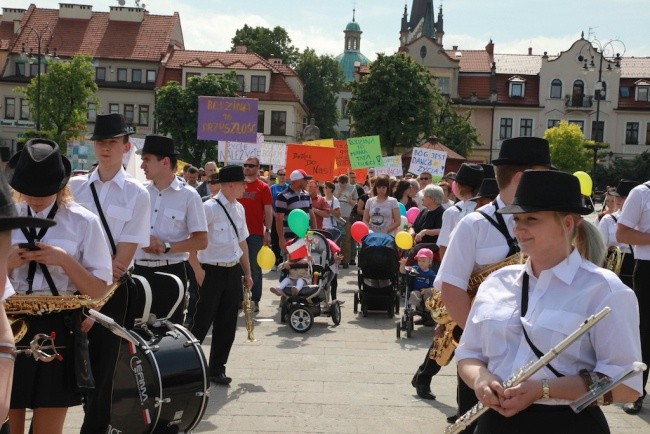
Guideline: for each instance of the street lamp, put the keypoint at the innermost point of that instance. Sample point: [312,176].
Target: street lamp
[40,58]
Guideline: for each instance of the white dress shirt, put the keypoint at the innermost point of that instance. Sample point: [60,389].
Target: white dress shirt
[475,244]
[223,243]
[559,301]
[636,215]
[607,229]
[450,219]
[78,232]
[8,290]
[176,212]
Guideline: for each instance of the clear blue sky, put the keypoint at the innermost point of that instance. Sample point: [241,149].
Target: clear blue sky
[513,25]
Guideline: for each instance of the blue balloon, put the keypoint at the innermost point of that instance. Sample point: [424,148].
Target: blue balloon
[402,208]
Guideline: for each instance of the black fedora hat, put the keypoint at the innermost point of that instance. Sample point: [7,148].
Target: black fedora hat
[469,174]
[109,126]
[547,190]
[9,218]
[524,151]
[39,170]
[624,187]
[488,170]
[231,173]
[158,145]
[489,188]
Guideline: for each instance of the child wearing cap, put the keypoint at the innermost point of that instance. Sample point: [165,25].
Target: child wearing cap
[422,276]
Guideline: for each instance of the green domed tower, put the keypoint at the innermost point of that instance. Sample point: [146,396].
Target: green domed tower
[352,53]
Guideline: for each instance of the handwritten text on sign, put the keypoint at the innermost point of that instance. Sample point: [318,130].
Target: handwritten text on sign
[364,152]
[274,154]
[392,166]
[316,161]
[238,152]
[232,119]
[428,160]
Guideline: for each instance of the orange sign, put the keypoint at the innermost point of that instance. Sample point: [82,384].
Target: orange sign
[318,162]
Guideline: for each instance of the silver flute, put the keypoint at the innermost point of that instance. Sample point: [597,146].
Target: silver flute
[528,370]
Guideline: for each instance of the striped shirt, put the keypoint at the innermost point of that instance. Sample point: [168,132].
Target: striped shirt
[287,201]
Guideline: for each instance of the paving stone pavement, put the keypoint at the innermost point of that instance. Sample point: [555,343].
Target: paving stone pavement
[354,378]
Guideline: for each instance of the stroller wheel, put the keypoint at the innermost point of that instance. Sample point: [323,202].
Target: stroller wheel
[397,304]
[356,303]
[398,328]
[335,311]
[409,327]
[390,312]
[364,310]
[283,314]
[300,319]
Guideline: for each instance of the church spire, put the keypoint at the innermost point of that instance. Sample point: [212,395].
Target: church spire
[429,25]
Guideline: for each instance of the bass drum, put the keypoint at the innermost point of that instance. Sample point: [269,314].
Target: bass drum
[161,383]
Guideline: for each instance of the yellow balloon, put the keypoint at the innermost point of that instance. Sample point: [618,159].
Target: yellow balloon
[265,258]
[404,240]
[585,182]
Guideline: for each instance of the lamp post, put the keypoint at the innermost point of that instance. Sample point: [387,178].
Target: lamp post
[40,58]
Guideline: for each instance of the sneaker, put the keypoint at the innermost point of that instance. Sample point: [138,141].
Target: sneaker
[634,407]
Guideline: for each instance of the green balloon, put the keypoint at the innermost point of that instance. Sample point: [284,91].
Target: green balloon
[298,222]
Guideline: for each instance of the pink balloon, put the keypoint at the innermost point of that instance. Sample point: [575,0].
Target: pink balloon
[412,214]
[358,230]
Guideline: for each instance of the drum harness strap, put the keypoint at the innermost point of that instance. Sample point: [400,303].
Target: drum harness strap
[32,237]
[500,224]
[101,216]
[229,218]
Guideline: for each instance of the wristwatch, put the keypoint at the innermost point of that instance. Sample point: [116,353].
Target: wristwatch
[168,247]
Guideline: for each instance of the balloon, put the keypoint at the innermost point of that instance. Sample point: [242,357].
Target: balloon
[585,182]
[298,222]
[402,208]
[265,258]
[403,223]
[358,230]
[404,240]
[412,214]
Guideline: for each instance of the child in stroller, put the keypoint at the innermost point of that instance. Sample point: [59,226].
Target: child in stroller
[297,274]
[419,282]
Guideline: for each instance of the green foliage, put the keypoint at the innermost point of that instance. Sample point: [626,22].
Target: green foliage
[267,42]
[323,78]
[455,130]
[567,146]
[394,101]
[66,90]
[177,110]
[637,169]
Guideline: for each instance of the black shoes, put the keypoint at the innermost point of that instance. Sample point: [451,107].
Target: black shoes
[256,309]
[423,390]
[344,265]
[221,379]
[633,408]
[452,418]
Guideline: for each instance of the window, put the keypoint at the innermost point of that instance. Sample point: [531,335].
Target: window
[33,69]
[136,76]
[556,88]
[526,128]
[505,130]
[24,109]
[128,113]
[598,131]
[240,82]
[624,91]
[552,123]
[260,121]
[121,74]
[647,134]
[516,90]
[20,69]
[258,83]
[92,112]
[578,93]
[151,76]
[443,85]
[10,108]
[632,133]
[642,93]
[600,91]
[278,123]
[113,108]
[100,74]
[581,124]
[143,115]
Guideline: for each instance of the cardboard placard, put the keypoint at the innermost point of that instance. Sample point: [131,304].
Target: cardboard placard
[238,152]
[392,166]
[323,143]
[229,119]
[274,154]
[316,161]
[428,160]
[364,152]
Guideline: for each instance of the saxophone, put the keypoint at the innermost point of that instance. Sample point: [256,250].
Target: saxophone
[247,304]
[445,343]
[614,259]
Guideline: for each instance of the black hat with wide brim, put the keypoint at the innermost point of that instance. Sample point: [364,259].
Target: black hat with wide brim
[158,145]
[39,170]
[9,218]
[524,151]
[110,126]
[469,174]
[231,173]
[489,188]
[623,188]
[547,190]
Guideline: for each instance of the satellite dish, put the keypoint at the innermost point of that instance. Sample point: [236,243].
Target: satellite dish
[121,2]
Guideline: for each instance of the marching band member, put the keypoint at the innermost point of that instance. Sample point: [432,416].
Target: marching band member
[523,311]
[69,257]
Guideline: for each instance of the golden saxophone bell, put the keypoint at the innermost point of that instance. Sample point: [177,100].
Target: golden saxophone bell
[18,327]
[614,259]
[247,305]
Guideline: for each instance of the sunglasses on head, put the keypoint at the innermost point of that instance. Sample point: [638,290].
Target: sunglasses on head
[250,165]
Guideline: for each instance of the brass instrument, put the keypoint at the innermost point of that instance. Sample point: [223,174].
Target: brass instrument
[614,259]
[247,304]
[446,342]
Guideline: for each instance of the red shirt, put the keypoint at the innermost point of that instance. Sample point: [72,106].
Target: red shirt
[256,196]
[319,202]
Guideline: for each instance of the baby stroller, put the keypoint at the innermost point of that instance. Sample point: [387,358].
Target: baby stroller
[314,299]
[378,275]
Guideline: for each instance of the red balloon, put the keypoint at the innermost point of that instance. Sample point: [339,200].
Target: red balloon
[358,230]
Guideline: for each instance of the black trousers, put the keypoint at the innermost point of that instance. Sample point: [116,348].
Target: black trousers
[427,369]
[192,291]
[218,306]
[164,291]
[642,291]
[275,243]
[466,400]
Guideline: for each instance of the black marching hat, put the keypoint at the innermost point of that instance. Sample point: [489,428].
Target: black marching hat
[231,173]
[623,188]
[39,170]
[524,151]
[547,190]
[158,145]
[469,174]
[488,170]
[110,126]
[489,188]
[9,218]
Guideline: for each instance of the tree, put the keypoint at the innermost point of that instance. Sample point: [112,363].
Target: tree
[455,130]
[65,91]
[267,43]
[322,78]
[394,101]
[177,111]
[637,169]
[566,144]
